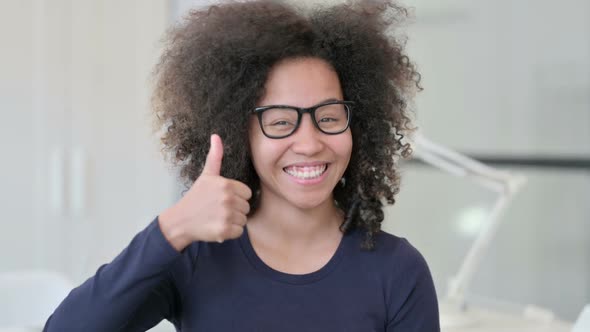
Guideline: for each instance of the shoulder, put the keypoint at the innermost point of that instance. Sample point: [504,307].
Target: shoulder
[394,261]
[397,254]
[407,284]
[401,261]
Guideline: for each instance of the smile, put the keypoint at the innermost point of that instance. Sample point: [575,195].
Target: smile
[306,172]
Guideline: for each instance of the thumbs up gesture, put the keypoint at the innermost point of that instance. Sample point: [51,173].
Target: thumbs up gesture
[214,208]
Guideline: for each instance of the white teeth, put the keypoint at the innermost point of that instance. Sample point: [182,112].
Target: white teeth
[307,172]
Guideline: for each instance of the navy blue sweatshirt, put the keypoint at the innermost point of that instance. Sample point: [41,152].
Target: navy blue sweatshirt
[226,287]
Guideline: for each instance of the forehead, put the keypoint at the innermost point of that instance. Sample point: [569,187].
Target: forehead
[301,82]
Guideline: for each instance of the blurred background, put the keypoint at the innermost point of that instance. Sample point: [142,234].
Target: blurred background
[507,82]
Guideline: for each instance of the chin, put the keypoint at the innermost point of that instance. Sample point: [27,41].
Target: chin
[308,202]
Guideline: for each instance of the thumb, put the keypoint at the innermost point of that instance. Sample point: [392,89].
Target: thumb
[214,157]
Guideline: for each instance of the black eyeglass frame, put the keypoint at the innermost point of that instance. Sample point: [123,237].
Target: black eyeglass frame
[300,111]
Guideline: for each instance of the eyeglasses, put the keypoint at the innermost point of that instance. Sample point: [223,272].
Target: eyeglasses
[280,121]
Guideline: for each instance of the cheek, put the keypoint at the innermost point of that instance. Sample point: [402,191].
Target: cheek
[263,151]
[254,140]
[345,146]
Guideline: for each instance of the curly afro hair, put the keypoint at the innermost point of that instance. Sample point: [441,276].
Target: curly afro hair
[214,69]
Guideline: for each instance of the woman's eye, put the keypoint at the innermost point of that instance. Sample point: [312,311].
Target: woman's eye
[281,123]
[328,120]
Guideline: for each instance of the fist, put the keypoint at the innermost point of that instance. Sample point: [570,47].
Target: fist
[214,208]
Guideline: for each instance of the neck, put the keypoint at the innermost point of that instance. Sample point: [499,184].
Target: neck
[277,219]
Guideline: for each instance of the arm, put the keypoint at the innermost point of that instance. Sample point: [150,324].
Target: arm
[133,293]
[417,307]
[137,289]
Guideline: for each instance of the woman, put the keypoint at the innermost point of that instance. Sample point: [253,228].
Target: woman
[280,229]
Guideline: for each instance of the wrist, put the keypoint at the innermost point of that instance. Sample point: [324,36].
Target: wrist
[173,230]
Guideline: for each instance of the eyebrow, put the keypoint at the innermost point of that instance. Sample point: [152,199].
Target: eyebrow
[328,100]
[321,102]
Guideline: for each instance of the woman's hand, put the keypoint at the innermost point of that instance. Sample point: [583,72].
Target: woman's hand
[214,208]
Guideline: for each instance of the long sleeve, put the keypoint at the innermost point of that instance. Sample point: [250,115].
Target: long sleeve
[417,306]
[132,293]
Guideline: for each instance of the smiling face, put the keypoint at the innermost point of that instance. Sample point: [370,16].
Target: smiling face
[300,170]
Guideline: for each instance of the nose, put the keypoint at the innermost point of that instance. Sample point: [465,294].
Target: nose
[307,140]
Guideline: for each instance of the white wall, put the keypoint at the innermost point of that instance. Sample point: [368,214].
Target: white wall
[17,141]
[81,169]
[75,101]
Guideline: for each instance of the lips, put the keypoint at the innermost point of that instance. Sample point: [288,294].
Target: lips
[306,172]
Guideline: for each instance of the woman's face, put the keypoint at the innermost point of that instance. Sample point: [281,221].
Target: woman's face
[282,163]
